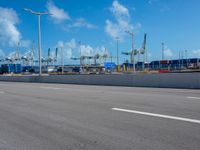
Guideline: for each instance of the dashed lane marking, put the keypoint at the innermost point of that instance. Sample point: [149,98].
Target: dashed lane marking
[158,115]
[193,98]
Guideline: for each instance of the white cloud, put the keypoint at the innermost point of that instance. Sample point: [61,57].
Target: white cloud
[2,54]
[101,51]
[122,21]
[168,53]
[9,34]
[196,53]
[58,14]
[152,1]
[12,54]
[60,44]
[8,30]
[81,22]
[119,10]
[25,43]
[87,50]
[112,29]
[68,48]
[163,7]
[71,44]
[71,49]
[149,56]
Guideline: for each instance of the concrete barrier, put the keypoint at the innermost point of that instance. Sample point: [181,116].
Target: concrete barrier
[165,80]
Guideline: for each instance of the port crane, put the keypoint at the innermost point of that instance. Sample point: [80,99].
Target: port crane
[96,57]
[49,60]
[28,58]
[131,54]
[139,51]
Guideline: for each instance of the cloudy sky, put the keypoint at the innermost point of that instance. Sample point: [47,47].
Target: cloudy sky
[94,25]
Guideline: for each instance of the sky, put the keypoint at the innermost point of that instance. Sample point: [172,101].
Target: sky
[93,25]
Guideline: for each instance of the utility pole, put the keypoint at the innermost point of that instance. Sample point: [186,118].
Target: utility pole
[186,57]
[80,56]
[144,50]
[182,53]
[117,38]
[38,14]
[111,57]
[33,54]
[62,59]
[17,58]
[180,60]
[163,49]
[55,57]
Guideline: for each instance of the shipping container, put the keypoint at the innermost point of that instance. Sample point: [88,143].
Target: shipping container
[18,68]
[164,62]
[109,65]
[1,70]
[8,68]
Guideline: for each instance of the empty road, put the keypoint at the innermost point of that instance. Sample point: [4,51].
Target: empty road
[37,116]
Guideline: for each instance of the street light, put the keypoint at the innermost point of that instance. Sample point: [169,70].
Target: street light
[132,52]
[39,35]
[80,56]
[62,59]
[118,69]
[163,49]
[117,38]
[186,57]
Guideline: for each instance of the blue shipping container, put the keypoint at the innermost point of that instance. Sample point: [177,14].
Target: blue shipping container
[8,68]
[18,68]
[109,65]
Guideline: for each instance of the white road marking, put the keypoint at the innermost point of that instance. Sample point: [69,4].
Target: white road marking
[158,115]
[46,87]
[193,97]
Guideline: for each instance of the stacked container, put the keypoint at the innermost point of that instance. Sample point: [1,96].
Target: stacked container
[11,68]
[18,68]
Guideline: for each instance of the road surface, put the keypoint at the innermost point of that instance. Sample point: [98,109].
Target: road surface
[36,116]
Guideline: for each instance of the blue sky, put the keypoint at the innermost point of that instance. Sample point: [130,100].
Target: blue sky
[96,23]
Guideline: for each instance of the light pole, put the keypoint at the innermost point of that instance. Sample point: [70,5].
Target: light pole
[39,35]
[117,38]
[163,48]
[62,59]
[80,56]
[33,54]
[180,60]
[17,53]
[132,52]
[186,57]
[111,57]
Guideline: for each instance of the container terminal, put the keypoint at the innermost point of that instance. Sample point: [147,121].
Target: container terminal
[97,64]
[163,66]
[26,65]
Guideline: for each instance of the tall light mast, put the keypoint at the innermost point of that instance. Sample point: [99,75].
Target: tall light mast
[132,52]
[163,49]
[38,14]
[117,38]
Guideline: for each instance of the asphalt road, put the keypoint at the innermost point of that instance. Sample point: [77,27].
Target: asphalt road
[37,116]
